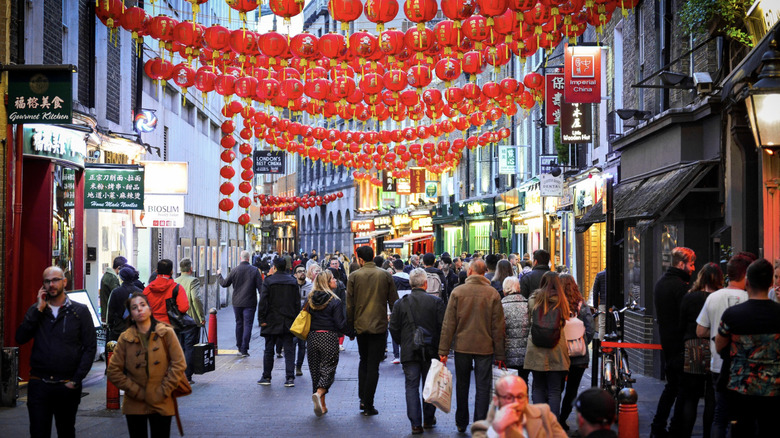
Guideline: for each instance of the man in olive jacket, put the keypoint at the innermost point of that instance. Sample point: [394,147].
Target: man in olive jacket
[370,291]
[474,325]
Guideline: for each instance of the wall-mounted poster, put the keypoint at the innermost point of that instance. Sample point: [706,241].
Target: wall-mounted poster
[177,267]
[202,267]
[214,260]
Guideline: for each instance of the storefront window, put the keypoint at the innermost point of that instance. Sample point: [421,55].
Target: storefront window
[63,220]
[479,237]
[453,239]
[633,251]
[668,243]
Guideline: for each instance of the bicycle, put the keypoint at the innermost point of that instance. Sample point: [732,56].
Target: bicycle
[615,373]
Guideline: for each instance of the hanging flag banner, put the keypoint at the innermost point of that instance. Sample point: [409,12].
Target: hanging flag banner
[576,126]
[582,70]
[417,180]
[119,188]
[507,160]
[553,97]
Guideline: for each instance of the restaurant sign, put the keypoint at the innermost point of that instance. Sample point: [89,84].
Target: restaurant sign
[42,96]
[362,226]
[576,126]
[119,188]
[582,70]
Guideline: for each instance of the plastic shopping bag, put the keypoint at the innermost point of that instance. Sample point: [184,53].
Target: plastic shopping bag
[438,386]
[499,373]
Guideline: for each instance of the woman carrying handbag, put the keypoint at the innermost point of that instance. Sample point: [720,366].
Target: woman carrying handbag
[148,364]
[547,355]
[328,322]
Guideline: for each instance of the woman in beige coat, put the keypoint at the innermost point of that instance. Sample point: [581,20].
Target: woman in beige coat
[548,365]
[147,364]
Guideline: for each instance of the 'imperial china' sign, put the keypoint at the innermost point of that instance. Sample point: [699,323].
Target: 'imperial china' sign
[582,70]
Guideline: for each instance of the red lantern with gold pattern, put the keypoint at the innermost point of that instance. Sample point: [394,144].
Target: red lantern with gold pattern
[419,76]
[381,12]
[458,10]
[286,8]
[345,11]
[492,8]
[217,37]
[273,44]
[473,63]
[420,11]
[395,80]
[419,40]
[475,28]
[135,20]
[533,80]
[226,204]
[189,34]
[362,44]
[333,46]
[304,45]
[161,28]
[110,12]
[242,6]
[448,70]
[372,84]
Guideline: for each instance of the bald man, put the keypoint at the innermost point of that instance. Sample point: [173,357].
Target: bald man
[511,415]
[474,327]
[62,354]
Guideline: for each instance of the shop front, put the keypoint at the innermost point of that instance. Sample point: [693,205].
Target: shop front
[506,203]
[590,242]
[527,221]
[448,229]
[366,234]
[479,219]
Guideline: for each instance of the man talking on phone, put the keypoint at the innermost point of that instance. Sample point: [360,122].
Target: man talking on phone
[62,355]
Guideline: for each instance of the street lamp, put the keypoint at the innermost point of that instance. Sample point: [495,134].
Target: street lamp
[763,100]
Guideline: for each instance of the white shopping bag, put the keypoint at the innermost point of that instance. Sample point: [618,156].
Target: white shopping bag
[499,373]
[438,386]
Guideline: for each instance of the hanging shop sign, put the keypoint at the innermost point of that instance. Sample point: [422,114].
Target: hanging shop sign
[521,229]
[388,182]
[166,177]
[432,189]
[362,226]
[382,222]
[576,126]
[417,180]
[69,187]
[546,162]
[422,225]
[269,162]
[553,98]
[161,211]
[114,188]
[400,220]
[403,186]
[55,143]
[43,95]
[507,160]
[582,70]
[551,186]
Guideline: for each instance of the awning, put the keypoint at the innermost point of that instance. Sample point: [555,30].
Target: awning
[408,239]
[649,199]
[366,238]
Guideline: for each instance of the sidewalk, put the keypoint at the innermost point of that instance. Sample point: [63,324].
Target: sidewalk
[229,403]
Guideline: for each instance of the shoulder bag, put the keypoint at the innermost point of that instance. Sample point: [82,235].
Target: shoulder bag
[179,320]
[300,327]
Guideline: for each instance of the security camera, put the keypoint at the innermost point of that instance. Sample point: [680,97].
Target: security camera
[703,82]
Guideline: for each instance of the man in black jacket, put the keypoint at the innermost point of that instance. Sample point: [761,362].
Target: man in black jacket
[246,281]
[279,306]
[428,261]
[418,309]
[62,354]
[667,296]
[530,281]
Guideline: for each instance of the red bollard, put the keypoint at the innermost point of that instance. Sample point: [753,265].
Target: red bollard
[213,328]
[628,415]
[112,392]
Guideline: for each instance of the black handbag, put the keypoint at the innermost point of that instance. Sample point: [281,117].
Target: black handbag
[179,320]
[422,339]
[204,355]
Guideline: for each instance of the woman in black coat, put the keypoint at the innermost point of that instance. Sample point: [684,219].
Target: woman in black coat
[117,313]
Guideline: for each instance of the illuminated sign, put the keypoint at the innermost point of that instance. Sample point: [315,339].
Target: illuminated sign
[417,180]
[55,143]
[576,123]
[582,70]
[382,221]
[166,177]
[551,186]
[507,160]
[475,208]
[362,226]
[403,186]
[161,211]
[401,220]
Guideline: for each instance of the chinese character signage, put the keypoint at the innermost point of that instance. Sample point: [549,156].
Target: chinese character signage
[388,182]
[417,180]
[551,185]
[553,98]
[507,160]
[269,162]
[43,96]
[582,69]
[55,143]
[161,211]
[403,186]
[576,123]
[69,187]
[362,226]
[114,188]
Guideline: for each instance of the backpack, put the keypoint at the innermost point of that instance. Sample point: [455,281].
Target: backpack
[435,286]
[574,330]
[546,328]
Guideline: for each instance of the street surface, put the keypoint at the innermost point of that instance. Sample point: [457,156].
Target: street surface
[229,403]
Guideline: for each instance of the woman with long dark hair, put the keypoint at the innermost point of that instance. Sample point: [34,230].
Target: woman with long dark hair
[328,322]
[696,381]
[503,270]
[148,364]
[549,365]
[579,309]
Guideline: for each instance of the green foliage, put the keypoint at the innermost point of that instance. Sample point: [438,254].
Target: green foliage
[562,149]
[696,15]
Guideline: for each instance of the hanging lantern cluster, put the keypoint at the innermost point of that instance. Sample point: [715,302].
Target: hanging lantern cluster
[278,204]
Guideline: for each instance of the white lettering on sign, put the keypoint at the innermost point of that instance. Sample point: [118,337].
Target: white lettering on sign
[475,208]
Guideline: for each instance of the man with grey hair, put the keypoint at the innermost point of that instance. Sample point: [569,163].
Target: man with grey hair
[246,281]
[414,262]
[189,337]
[417,310]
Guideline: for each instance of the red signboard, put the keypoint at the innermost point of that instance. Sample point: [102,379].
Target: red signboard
[582,67]
[553,98]
[417,180]
[362,226]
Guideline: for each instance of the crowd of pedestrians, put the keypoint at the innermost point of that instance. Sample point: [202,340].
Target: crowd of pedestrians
[485,312]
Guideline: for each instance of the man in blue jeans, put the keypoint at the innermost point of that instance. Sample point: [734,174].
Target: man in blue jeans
[418,309]
[279,305]
[246,281]
[474,326]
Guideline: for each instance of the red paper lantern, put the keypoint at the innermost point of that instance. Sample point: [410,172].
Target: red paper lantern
[362,44]
[286,8]
[381,12]
[226,204]
[227,156]
[135,20]
[473,63]
[217,37]
[110,12]
[492,8]
[227,172]
[243,6]
[420,11]
[395,80]
[419,40]
[448,70]
[392,43]
[247,175]
[227,188]
[184,76]
[345,11]
[458,10]
[475,28]
[161,28]
[244,219]
[304,45]
[419,76]
[273,45]
[533,80]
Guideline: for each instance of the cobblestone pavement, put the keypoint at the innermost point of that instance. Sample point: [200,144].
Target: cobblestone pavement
[229,403]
